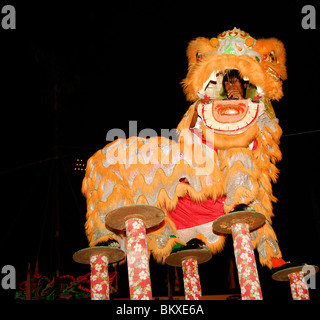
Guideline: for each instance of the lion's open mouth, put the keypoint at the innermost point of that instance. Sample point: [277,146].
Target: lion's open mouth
[224,118]
[228,116]
[213,89]
[229,111]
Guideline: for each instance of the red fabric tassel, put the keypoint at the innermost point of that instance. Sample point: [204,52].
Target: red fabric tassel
[277,262]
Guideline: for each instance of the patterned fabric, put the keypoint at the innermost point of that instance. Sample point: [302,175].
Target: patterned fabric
[137,259]
[246,263]
[298,286]
[99,278]
[191,279]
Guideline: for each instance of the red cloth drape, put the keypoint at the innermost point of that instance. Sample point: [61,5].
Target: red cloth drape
[188,213]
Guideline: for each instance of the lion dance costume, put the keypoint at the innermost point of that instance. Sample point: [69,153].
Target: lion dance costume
[226,153]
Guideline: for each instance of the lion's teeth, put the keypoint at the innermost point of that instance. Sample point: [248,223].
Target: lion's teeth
[230,112]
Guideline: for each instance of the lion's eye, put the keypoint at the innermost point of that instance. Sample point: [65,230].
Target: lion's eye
[272,56]
[199,57]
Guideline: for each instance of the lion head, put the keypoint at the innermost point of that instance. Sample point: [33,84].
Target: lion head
[261,67]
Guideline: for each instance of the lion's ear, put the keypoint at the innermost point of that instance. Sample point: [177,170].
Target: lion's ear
[273,53]
[198,48]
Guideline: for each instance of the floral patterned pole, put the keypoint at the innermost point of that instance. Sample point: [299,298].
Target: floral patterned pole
[138,260]
[99,277]
[246,264]
[298,286]
[191,279]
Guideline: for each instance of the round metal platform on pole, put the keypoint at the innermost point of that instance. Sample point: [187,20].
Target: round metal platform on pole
[201,255]
[151,215]
[224,223]
[83,256]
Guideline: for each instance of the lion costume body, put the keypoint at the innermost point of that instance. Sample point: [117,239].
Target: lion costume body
[225,155]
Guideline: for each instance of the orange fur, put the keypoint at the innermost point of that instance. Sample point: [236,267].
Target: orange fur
[224,141]
[199,45]
[265,46]
[199,72]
